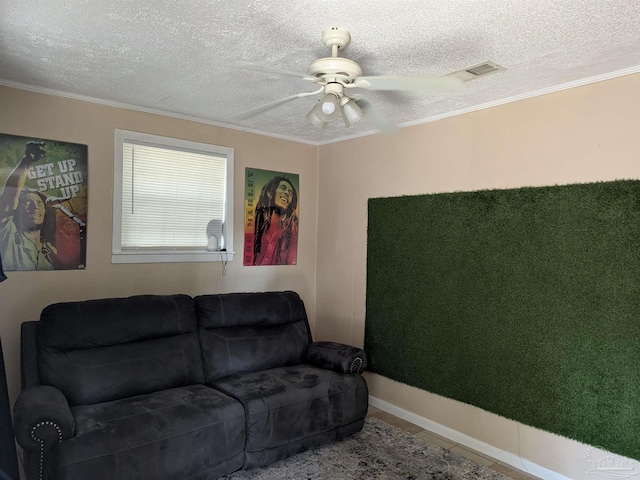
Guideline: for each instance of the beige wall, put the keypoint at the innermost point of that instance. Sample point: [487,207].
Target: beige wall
[24,294]
[579,135]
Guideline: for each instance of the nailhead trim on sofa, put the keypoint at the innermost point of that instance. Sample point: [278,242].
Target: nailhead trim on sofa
[41,441]
[352,368]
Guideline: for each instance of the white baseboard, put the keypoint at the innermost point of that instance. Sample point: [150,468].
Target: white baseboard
[510,459]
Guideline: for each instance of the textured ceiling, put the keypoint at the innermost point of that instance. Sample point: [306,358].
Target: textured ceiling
[177,56]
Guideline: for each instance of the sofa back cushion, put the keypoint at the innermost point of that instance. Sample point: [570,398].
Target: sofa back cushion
[102,350]
[247,332]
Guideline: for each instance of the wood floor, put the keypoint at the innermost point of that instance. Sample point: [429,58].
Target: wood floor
[444,443]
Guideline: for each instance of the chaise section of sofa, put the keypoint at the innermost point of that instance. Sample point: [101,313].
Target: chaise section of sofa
[115,391]
[257,348]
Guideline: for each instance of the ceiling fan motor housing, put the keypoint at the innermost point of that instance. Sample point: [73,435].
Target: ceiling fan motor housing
[342,69]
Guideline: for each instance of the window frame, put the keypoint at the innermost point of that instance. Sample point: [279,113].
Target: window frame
[156,255]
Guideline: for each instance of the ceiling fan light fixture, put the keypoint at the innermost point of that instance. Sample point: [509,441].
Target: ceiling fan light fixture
[329,108]
[314,119]
[325,111]
[351,113]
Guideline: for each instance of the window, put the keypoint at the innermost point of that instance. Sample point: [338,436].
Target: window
[172,201]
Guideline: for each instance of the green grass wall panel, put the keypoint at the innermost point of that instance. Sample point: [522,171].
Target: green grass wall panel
[523,302]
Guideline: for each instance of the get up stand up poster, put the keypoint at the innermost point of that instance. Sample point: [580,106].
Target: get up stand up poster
[43,204]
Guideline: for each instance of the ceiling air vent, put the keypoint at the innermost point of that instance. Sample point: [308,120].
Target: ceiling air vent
[481,70]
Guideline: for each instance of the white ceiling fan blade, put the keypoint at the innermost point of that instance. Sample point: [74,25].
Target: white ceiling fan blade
[275,103]
[377,116]
[267,69]
[412,83]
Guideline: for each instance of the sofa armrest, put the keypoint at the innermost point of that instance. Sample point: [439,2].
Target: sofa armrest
[41,418]
[337,357]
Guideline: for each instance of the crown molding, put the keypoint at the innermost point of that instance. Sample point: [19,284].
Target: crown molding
[515,98]
[154,111]
[433,118]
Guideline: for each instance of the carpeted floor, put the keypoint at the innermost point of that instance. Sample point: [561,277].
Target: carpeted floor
[380,451]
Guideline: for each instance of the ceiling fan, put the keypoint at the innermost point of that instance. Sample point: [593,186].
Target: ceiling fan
[335,76]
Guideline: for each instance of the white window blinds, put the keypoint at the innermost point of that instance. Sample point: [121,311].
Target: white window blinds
[172,200]
[169,197]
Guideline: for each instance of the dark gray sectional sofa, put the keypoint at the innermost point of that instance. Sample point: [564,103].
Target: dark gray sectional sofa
[174,387]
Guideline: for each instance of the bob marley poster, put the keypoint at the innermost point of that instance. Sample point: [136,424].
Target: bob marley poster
[43,204]
[271,218]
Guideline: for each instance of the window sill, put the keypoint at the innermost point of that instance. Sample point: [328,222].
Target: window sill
[170,257]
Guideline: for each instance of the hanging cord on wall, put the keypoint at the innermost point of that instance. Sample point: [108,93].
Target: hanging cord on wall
[479,413]
[224,262]
[221,267]
[215,282]
[524,467]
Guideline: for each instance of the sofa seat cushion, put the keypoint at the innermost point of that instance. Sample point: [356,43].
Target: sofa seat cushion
[291,409]
[187,432]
